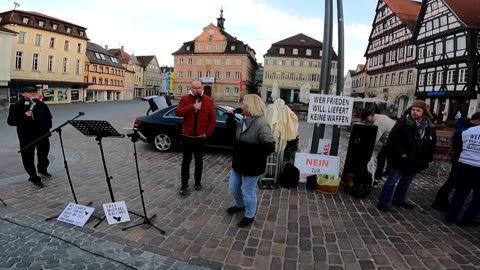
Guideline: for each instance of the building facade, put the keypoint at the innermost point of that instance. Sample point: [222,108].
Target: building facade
[391,55]
[259,78]
[48,54]
[359,82]
[348,83]
[6,41]
[292,64]
[448,41]
[138,87]
[129,80]
[151,74]
[224,64]
[166,82]
[104,73]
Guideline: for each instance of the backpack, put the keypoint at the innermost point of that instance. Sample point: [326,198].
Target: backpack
[359,185]
[289,177]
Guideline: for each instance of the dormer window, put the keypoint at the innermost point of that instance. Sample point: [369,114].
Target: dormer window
[81,33]
[69,30]
[232,47]
[188,48]
[295,51]
[0,19]
[309,52]
[25,20]
[41,23]
[282,51]
[55,26]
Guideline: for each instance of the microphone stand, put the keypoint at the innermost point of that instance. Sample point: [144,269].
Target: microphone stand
[148,221]
[3,202]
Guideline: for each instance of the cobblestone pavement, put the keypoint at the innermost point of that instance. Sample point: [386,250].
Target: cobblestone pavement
[293,229]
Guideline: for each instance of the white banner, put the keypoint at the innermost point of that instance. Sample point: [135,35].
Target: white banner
[116,212]
[324,146]
[76,214]
[330,110]
[309,164]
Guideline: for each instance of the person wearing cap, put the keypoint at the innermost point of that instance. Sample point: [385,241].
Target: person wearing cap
[468,169]
[441,199]
[33,120]
[411,144]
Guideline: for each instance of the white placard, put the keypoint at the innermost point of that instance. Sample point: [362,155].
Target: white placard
[309,164]
[116,212]
[324,146]
[76,214]
[330,109]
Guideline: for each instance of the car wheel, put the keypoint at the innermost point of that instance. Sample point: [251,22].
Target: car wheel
[163,142]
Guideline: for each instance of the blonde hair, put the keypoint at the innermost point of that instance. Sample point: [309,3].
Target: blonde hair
[255,104]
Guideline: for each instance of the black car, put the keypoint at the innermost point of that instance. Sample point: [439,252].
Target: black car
[163,128]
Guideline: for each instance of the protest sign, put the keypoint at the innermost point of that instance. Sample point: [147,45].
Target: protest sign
[116,212]
[330,110]
[76,214]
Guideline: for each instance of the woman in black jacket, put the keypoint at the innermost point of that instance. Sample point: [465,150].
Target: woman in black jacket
[253,143]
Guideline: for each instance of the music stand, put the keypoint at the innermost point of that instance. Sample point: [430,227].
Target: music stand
[146,220]
[100,129]
[6,204]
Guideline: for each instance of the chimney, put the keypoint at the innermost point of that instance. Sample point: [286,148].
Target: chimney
[121,47]
[106,47]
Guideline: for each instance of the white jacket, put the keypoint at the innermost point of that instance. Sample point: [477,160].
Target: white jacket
[384,124]
[471,147]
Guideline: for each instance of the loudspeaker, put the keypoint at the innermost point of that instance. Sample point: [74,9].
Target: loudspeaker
[360,148]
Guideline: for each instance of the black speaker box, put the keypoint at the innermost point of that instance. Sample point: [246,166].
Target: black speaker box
[360,148]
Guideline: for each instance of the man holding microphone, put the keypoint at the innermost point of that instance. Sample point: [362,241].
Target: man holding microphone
[199,117]
[33,119]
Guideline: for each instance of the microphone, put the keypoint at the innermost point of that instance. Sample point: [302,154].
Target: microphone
[198,99]
[81,113]
[140,135]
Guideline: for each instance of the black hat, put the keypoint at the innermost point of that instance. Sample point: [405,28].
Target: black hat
[29,89]
[475,116]
[365,114]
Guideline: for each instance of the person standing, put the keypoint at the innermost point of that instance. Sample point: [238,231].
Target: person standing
[441,199]
[199,118]
[253,143]
[33,119]
[411,144]
[467,179]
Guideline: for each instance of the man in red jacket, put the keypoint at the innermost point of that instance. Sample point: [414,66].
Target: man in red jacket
[198,112]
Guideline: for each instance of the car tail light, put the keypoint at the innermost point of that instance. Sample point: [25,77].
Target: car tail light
[137,122]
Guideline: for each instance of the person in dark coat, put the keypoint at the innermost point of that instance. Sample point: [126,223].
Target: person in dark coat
[33,119]
[253,143]
[441,200]
[411,143]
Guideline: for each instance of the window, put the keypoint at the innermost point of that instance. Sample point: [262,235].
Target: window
[282,51]
[461,43]
[226,92]
[238,62]
[77,67]
[19,60]
[35,61]
[309,52]
[199,61]
[236,90]
[100,80]
[41,23]
[232,48]
[218,61]
[219,47]
[79,48]
[394,55]
[81,33]
[189,74]
[69,30]
[208,61]
[394,78]
[439,80]
[237,75]
[400,77]
[209,47]
[188,48]
[436,22]
[387,79]
[381,80]
[409,51]
[55,26]
[409,77]
[401,52]
[439,48]
[21,37]
[95,68]
[65,46]
[52,43]
[101,69]
[38,40]
[200,47]
[50,63]
[228,61]
[180,74]
[227,75]
[449,45]
[421,79]
[102,56]
[217,74]
[295,52]
[462,75]
[94,80]
[199,74]
[107,70]
[65,65]
[190,61]
[429,50]
[443,20]
[25,20]
[430,79]
[478,42]
[450,76]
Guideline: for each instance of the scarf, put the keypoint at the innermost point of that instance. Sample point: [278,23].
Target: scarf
[419,126]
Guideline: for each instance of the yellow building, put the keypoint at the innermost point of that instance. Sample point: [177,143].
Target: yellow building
[104,73]
[48,54]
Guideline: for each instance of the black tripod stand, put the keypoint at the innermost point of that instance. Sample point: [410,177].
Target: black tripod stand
[6,204]
[148,221]
[100,129]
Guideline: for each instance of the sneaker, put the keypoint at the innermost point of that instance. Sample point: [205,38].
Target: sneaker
[232,210]
[382,207]
[245,222]
[45,174]
[198,187]
[183,191]
[37,182]
[405,205]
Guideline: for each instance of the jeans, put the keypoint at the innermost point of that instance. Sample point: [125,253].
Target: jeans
[195,146]
[467,180]
[244,190]
[402,181]
[382,158]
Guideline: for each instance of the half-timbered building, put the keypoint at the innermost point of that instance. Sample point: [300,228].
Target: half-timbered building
[448,44]
[390,54]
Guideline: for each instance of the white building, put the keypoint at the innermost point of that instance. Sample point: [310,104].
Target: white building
[6,40]
[359,82]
